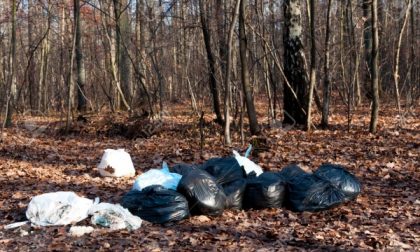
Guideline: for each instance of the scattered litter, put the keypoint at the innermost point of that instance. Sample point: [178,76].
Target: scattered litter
[157,204]
[113,216]
[78,231]
[16,225]
[161,177]
[116,163]
[57,208]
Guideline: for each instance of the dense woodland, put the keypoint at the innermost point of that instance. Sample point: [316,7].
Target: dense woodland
[183,81]
[300,57]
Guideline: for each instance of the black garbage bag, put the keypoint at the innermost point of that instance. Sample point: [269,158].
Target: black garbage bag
[203,193]
[290,171]
[234,193]
[224,170]
[340,178]
[156,204]
[183,169]
[308,192]
[264,191]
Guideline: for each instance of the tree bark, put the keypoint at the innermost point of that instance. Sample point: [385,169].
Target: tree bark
[122,39]
[327,88]
[294,66]
[313,65]
[252,116]
[397,58]
[375,68]
[12,69]
[211,64]
[81,74]
[228,140]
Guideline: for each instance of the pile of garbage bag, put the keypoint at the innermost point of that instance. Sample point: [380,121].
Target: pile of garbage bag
[238,183]
[171,194]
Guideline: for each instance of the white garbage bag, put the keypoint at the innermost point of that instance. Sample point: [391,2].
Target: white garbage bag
[114,216]
[248,165]
[57,208]
[116,163]
[161,177]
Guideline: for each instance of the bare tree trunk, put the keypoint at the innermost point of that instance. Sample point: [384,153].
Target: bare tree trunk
[211,64]
[375,68]
[81,75]
[397,58]
[31,64]
[70,90]
[11,81]
[252,116]
[294,66]
[327,88]
[228,140]
[122,39]
[313,65]
[367,35]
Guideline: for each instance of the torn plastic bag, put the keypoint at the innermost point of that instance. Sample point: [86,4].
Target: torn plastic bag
[340,178]
[291,171]
[264,191]
[113,216]
[156,204]
[224,170]
[116,163]
[57,208]
[161,177]
[204,194]
[308,192]
[234,192]
[182,169]
[247,164]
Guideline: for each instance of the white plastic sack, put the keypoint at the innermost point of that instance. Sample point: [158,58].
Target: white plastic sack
[161,177]
[57,208]
[116,163]
[114,216]
[248,165]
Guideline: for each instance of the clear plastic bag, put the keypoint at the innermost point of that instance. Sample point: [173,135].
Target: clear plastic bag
[161,177]
[57,208]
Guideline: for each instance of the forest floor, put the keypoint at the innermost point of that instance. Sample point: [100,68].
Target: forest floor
[36,158]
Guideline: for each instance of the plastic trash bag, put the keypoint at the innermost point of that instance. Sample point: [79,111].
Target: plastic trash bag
[113,216]
[182,169]
[265,191]
[204,194]
[291,171]
[161,177]
[234,192]
[116,163]
[247,164]
[341,179]
[224,170]
[308,192]
[57,208]
[156,204]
